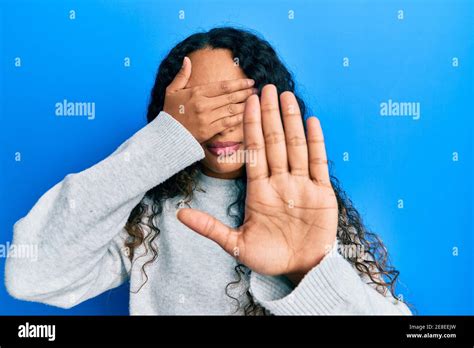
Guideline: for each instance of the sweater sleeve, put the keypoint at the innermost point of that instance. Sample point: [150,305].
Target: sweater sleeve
[77,227]
[333,287]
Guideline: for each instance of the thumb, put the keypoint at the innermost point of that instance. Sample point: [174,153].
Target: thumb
[182,77]
[211,228]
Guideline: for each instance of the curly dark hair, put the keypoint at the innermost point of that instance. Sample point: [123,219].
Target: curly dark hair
[259,61]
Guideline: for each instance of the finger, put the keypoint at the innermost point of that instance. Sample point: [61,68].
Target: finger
[215,89]
[210,227]
[227,110]
[296,147]
[318,163]
[226,122]
[273,131]
[232,98]
[256,162]
[182,77]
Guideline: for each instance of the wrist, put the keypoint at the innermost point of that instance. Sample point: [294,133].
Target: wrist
[295,278]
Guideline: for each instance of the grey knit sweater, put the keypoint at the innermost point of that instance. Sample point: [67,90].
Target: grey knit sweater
[78,228]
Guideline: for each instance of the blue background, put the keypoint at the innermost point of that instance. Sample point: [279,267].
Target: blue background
[389,158]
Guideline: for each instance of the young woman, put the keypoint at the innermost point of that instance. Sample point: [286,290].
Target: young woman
[270,231]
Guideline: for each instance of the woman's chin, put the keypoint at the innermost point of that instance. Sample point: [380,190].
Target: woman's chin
[222,169]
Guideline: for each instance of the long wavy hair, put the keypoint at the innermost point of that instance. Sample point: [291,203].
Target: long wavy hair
[259,61]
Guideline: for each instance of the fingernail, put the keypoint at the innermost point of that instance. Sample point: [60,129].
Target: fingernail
[250,82]
[184,62]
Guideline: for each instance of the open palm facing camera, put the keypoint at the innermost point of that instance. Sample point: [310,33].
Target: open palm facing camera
[291,212]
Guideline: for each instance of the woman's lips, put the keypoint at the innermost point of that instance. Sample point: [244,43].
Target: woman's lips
[220,148]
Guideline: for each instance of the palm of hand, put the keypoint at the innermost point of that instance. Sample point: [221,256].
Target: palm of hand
[290,222]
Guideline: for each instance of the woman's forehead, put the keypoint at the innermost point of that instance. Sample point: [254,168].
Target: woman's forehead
[212,65]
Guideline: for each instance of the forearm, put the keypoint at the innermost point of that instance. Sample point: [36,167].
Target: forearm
[331,288]
[76,225]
